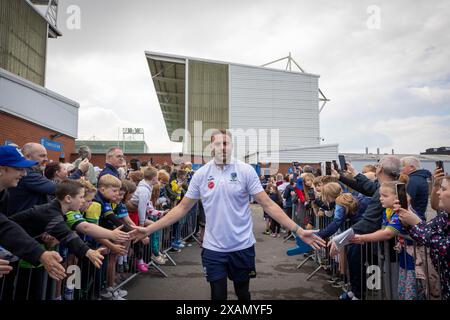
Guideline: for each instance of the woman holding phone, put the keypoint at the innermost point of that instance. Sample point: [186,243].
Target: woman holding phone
[433,234]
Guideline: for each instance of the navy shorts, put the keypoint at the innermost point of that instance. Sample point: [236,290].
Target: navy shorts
[238,265]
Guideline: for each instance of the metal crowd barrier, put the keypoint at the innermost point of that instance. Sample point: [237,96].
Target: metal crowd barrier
[374,273]
[34,283]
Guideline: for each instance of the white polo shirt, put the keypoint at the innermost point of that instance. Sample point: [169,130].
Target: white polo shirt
[225,197]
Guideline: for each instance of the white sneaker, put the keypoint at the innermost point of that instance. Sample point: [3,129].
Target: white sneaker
[116,296]
[106,295]
[120,292]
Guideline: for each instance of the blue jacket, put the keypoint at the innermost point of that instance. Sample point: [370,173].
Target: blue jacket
[417,188]
[109,169]
[32,190]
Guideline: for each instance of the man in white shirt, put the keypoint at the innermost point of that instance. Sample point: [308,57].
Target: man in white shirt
[224,186]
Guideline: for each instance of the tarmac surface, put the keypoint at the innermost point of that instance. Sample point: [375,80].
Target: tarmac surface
[277,275]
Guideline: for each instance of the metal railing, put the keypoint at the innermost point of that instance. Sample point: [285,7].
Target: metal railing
[388,270]
[26,282]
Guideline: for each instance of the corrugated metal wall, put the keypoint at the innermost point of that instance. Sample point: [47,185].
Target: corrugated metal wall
[208,98]
[23,40]
[272,99]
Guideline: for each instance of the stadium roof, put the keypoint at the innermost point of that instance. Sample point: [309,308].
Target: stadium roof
[168,73]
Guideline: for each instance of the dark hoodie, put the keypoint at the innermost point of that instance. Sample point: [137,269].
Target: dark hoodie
[417,188]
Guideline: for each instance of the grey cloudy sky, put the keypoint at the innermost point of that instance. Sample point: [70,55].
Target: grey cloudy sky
[390,87]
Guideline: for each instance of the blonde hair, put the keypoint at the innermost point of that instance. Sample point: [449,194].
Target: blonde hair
[150,173]
[109,181]
[317,180]
[331,190]
[347,201]
[88,187]
[163,176]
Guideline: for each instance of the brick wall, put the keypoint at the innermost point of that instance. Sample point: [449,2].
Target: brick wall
[21,131]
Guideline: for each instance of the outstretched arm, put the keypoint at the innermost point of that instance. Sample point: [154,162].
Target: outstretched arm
[380,235]
[277,213]
[171,217]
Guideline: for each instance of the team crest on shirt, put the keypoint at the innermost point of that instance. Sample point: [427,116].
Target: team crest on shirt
[233,177]
[210,182]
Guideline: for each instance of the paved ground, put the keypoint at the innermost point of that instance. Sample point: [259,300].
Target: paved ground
[277,277]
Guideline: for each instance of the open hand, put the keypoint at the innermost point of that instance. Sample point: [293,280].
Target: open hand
[119,236]
[310,237]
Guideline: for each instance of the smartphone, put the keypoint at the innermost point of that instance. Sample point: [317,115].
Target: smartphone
[335,165]
[328,168]
[342,162]
[401,195]
[440,165]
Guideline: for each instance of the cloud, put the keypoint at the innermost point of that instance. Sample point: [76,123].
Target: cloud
[372,77]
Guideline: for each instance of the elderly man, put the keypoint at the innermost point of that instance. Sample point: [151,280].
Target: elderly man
[34,188]
[114,160]
[84,152]
[417,187]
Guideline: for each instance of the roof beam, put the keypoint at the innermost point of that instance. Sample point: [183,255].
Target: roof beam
[162,93]
[164,79]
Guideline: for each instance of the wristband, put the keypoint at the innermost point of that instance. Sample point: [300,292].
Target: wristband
[296,229]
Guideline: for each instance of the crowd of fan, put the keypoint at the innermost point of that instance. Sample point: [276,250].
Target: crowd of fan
[367,202]
[54,215]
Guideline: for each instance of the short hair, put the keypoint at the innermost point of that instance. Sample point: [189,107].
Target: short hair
[411,161]
[84,151]
[68,188]
[219,132]
[181,173]
[136,176]
[51,169]
[111,151]
[109,181]
[88,187]
[370,168]
[128,186]
[391,166]
[164,176]
[150,173]
[331,190]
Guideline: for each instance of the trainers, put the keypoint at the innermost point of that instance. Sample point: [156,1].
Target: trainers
[116,296]
[106,295]
[267,232]
[120,292]
[180,244]
[176,246]
[120,268]
[159,260]
[142,267]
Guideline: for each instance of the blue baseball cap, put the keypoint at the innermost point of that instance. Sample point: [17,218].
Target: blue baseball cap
[12,157]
